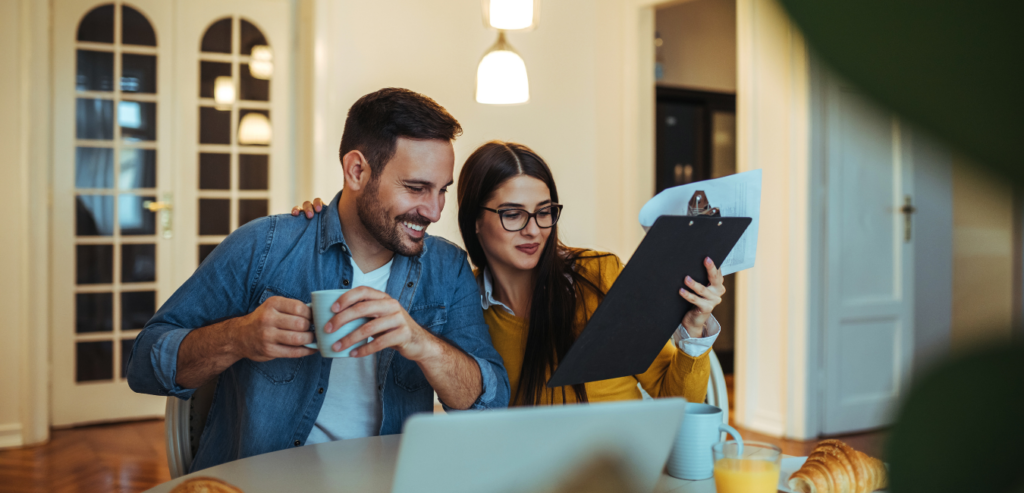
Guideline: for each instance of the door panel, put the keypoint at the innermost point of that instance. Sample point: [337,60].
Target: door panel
[112,152]
[866,171]
[126,141]
[227,178]
[869,299]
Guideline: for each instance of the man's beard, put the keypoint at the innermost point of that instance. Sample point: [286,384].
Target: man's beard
[385,229]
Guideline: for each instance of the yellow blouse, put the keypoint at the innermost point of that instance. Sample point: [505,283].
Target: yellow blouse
[672,374]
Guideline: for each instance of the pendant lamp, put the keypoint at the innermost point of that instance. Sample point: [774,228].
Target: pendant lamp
[501,76]
[511,15]
[254,129]
[223,92]
[261,62]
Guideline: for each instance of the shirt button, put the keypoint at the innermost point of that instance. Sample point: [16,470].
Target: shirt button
[344,248]
[344,282]
[320,391]
[296,443]
[409,285]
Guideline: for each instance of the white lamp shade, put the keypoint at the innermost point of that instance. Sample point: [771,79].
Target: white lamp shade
[254,129]
[261,62]
[501,79]
[510,15]
[224,92]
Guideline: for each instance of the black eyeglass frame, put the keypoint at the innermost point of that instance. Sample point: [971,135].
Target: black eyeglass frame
[529,216]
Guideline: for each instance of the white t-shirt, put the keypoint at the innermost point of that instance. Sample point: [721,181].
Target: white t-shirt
[351,406]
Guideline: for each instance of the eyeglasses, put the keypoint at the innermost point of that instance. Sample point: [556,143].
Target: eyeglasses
[516,219]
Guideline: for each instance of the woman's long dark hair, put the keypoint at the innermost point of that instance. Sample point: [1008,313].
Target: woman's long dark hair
[559,284]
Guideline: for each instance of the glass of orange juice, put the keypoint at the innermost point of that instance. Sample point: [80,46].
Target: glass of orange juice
[748,467]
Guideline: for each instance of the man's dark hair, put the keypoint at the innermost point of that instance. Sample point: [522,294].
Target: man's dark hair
[378,119]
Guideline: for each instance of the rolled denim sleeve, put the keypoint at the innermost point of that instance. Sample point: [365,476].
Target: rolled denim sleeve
[219,289]
[467,329]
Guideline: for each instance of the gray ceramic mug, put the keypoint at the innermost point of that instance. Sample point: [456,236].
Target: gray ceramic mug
[321,306]
[691,453]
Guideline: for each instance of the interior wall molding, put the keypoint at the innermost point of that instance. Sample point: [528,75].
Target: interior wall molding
[36,85]
[776,392]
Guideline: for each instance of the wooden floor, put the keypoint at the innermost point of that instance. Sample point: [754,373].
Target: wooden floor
[123,457]
[130,457]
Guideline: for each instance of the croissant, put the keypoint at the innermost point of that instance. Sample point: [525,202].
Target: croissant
[835,467]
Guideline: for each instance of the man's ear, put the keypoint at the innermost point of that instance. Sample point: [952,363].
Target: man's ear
[356,170]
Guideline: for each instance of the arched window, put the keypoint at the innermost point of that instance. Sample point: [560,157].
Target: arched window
[115,174]
[235,68]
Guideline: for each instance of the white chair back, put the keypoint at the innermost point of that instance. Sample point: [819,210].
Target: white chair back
[718,394]
[184,420]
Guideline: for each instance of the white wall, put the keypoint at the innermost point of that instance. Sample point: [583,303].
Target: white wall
[699,45]
[433,47]
[933,250]
[23,198]
[982,257]
[11,247]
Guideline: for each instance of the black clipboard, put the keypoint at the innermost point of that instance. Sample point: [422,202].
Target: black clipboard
[643,307]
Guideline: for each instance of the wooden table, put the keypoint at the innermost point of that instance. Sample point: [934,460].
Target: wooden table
[358,465]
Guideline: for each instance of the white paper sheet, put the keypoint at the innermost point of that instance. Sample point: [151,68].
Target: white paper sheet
[736,195]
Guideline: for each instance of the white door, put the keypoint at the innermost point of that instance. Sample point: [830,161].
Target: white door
[234,155]
[112,153]
[869,299]
[126,186]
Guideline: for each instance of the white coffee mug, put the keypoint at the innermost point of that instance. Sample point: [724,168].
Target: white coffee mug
[691,453]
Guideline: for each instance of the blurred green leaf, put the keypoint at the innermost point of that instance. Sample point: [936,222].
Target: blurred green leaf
[953,68]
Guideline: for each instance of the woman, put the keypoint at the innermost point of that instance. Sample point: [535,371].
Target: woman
[538,294]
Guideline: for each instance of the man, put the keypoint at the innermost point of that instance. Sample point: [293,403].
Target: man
[241,317]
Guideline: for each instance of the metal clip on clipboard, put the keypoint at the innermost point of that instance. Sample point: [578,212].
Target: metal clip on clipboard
[699,206]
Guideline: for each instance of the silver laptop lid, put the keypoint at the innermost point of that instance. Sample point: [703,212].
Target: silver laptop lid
[530,449]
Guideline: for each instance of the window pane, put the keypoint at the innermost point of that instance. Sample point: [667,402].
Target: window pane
[94,215]
[94,361]
[138,73]
[94,312]
[138,169]
[214,171]
[95,71]
[218,37]
[214,126]
[249,209]
[208,73]
[126,351]
[94,167]
[253,89]
[135,29]
[94,119]
[205,251]
[137,307]
[133,217]
[94,264]
[137,120]
[251,36]
[214,216]
[252,171]
[138,263]
[98,25]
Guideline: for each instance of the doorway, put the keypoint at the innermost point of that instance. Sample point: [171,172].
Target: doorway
[695,140]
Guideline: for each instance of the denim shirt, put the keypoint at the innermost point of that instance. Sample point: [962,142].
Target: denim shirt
[263,407]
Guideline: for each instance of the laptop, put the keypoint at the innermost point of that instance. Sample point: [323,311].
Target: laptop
[534,448]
